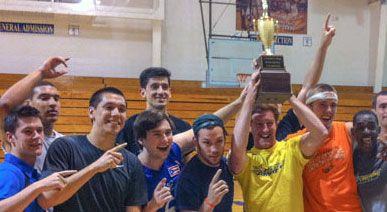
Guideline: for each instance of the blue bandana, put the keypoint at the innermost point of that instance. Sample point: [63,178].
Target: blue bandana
[206,121]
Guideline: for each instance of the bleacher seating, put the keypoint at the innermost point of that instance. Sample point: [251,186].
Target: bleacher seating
[188,100]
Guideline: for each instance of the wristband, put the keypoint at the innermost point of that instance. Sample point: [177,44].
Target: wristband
[208,203]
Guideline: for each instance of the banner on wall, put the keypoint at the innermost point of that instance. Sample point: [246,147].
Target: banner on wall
[26,28]
[292,15]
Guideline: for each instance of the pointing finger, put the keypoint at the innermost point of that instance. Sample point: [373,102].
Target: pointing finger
[216,177]
[326,26]
[118,148]
[161,184]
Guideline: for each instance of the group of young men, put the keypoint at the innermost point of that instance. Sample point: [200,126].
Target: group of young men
[305,162]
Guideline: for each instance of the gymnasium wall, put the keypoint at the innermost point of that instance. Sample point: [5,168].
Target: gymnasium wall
[122,48]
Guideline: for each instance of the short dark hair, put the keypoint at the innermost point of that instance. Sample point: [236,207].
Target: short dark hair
[11,120]
[365,112]
[375,98]
[39,84]
[260,108]
[148,120]
[152,72]
[97,96]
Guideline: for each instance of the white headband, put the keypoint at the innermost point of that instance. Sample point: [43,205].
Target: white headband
[323,96]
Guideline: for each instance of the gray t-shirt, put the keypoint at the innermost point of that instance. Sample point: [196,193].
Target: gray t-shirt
[46,144]
[371,177]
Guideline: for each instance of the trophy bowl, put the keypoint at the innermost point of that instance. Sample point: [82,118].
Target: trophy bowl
[267,27]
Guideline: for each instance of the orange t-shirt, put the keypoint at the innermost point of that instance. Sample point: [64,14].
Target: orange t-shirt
[329,180]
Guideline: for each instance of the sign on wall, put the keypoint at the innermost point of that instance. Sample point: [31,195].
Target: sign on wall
[292,15]
[26,28]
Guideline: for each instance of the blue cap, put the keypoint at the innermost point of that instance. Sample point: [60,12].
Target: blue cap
[206,121]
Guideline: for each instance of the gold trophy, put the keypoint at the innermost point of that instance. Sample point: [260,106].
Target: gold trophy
[275,85]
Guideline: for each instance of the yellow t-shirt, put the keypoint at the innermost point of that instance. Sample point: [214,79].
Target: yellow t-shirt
[272,178]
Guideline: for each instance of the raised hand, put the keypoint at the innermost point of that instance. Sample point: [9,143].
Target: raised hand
[161,195]
[216,190]
[56,181]
[253,86]
[48,69]
[110,159]
[328,32]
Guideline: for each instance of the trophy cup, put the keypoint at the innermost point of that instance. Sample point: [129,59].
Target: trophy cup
[275,81]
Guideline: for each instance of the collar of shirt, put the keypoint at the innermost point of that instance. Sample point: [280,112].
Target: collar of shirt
[23,166]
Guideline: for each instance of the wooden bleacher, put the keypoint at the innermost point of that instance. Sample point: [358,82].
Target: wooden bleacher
[188,100]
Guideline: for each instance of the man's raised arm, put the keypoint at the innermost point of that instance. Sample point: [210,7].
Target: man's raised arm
[20,91]
[242,127]
[184,140]
[317,132]
[314,73]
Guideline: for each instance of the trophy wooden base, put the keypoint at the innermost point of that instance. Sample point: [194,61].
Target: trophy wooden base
[275,80]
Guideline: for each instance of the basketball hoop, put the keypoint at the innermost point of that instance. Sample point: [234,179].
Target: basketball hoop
[242,78]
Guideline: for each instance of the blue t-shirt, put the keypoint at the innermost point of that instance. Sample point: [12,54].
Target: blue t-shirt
[170,170]
[192,187]
[15,175]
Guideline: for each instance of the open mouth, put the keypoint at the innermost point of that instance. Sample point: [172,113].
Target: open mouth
[265,136]
[115,123]
[326,118]
[162,148]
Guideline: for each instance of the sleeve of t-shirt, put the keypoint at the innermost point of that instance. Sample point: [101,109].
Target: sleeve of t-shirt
[10,184]
[243,176]
[186,195]
[57,158]
[180,125]
[295,143]
[288,125]
[176,152]
[126,135]
[137,194]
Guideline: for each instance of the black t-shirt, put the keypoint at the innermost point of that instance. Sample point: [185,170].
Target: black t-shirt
[371,177]
[288,125]
[192,187]
[112,190]
[127,134]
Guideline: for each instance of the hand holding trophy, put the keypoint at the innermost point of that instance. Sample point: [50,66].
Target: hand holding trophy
[275,85]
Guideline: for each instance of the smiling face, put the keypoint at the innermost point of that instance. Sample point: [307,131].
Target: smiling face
[110,114]
[325,110]
[381,110]
[158,141]
[27,140]
[157,93]
[365,131]
[263,128]
[46,100]
[210,145]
